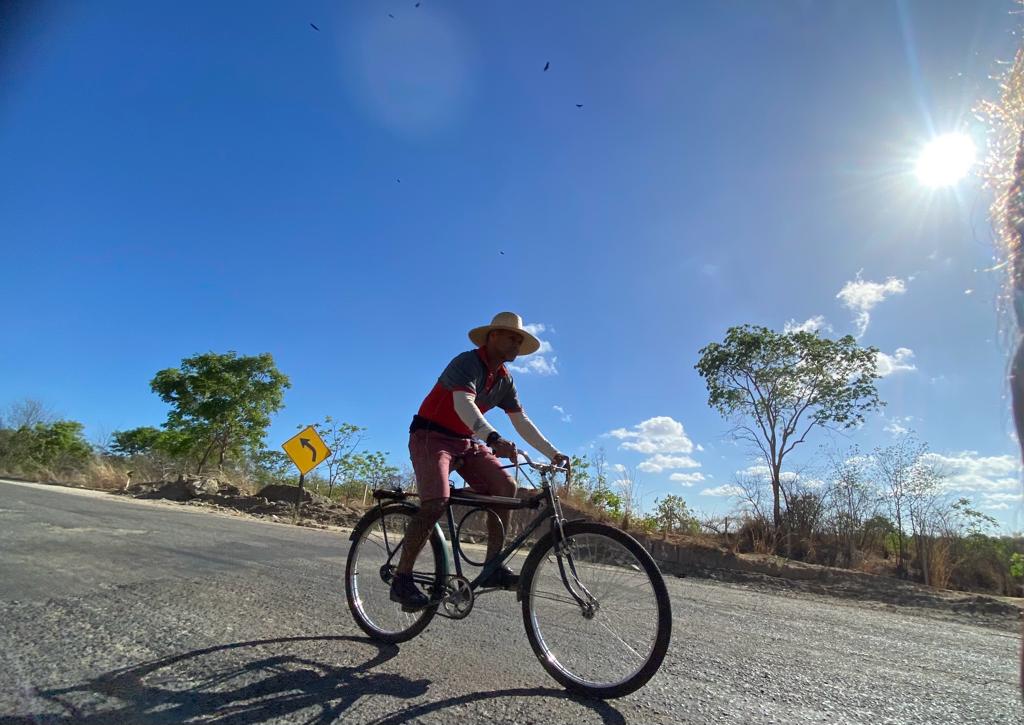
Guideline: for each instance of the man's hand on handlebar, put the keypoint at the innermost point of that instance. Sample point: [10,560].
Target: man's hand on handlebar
[504,449]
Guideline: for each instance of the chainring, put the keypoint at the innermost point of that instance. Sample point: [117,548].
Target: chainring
[458,602]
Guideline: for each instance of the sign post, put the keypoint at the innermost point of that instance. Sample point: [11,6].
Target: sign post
[307,451]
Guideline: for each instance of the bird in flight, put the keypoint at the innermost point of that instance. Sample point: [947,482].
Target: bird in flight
[314,27]
[547,65]
[579,105]
[391,16]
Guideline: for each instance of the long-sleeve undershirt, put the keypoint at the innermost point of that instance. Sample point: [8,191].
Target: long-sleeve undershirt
[469,413]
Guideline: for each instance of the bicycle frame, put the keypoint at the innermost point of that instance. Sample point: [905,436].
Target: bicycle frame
[491,502]
[553,511]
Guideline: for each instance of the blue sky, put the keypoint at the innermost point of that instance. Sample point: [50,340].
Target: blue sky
[184,177]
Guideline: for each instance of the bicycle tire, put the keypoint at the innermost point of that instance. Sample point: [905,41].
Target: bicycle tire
[366,589]
[610,554]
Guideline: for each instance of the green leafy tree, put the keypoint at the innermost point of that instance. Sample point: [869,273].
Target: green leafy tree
[777,387]
[269,466]
[580,478]
[221,403]
[369,470]
[648,523]
[57,445]
[983,558]
[341,438]
[135,441]
[607,500]
[672,515]
[1017,566]
[61,444]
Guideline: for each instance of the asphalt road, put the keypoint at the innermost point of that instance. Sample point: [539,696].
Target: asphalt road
[115,610]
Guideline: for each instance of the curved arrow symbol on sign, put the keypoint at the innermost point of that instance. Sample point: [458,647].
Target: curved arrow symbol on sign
[304,442]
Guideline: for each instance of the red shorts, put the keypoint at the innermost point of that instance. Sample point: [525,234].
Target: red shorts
[433,455]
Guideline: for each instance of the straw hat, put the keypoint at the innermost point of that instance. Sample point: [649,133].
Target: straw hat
[506,321]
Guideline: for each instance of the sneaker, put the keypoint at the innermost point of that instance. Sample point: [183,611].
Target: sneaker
[404,591]
[501,578]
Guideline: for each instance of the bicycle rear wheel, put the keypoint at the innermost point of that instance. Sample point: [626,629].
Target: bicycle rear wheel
[611,637]
[374,554]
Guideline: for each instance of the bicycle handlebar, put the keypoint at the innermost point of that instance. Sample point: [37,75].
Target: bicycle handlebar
[543,467]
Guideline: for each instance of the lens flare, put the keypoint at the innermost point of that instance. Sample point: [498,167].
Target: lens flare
[946,160]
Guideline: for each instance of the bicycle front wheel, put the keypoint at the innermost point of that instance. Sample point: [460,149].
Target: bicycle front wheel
[596,610]
[374,554]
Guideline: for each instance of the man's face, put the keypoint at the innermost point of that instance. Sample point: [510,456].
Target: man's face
[506,343]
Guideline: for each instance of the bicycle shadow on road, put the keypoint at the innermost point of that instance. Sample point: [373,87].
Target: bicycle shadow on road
[231,684]
[608,714]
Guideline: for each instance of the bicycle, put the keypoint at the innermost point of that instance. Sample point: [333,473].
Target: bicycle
[595,605]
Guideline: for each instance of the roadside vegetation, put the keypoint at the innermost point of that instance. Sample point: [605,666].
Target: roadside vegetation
[886,511]
[220,406]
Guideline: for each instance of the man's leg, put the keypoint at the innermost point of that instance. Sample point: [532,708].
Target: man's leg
[496,531]
[484,474]
[431,460]
[418,532]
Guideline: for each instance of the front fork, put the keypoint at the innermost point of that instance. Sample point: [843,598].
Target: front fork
[563,554]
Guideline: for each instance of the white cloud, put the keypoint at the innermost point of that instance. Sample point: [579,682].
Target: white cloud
[896,430]
[993,497]
[726,490]
[536,364]
[967,471]
[566,417]
[660,434]
[687,479]
[618,468]
[896,427]
[899,362]
[862,296]
[660,462]
[998,507]
[663,440]
[540,362]
[813,324]
[758,469]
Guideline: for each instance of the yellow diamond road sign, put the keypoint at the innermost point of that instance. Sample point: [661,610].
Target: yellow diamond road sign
[306,450]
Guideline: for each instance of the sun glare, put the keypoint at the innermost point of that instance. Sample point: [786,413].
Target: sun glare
[946,160]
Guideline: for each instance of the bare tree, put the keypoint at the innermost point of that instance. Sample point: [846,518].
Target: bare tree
[632,498]
[405,479]
[894,466]
[804,514]
[754,495]
[26,413]
[927,509]
[754,501]
[102,439]
[851,499]
[600,477]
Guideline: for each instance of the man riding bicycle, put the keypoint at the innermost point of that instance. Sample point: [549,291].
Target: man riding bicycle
[441,439]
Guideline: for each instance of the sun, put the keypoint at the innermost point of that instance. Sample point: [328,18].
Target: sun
[946,160]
